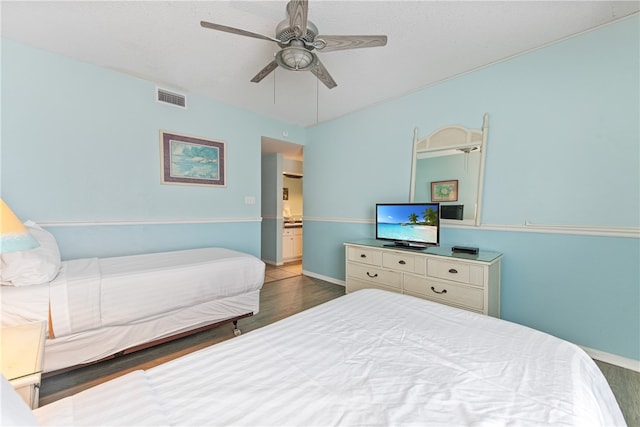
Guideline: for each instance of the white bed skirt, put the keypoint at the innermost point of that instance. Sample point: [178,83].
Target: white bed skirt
[89,346]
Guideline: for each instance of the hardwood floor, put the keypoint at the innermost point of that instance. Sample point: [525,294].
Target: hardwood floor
[280,298]
[625,384]
[289,269]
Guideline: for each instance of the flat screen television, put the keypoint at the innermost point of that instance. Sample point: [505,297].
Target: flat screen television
[410,225]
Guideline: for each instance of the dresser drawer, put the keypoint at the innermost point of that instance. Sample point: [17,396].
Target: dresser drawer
[364,255]
[456,271]
[447,292]
[292,231]
[392,279]
[355,284]
[398,261]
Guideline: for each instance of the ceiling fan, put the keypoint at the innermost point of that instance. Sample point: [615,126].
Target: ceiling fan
[298,39]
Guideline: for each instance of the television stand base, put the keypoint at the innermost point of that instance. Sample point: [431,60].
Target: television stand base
[401,245]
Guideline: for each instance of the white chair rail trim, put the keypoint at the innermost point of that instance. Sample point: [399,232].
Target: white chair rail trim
[98,223]
[527,227]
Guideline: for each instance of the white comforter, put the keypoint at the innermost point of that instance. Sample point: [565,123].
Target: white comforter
[370,358]
[94,293]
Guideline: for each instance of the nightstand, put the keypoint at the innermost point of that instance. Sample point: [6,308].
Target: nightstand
[22,354]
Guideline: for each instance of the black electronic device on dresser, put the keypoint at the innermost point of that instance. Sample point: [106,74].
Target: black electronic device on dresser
[465,250]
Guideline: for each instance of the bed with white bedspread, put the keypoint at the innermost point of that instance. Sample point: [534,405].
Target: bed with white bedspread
[370,358]
[97,307]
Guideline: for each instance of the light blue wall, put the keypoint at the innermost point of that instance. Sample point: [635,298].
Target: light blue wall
[116,240]
[563,149]
[80,144]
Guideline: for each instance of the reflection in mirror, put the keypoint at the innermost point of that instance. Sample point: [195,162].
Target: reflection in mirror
[452,153]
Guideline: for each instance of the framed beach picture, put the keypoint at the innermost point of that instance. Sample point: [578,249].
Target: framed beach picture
[444,191]
[192,161]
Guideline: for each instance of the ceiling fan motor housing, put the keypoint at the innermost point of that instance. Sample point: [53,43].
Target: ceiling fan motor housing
[285,34]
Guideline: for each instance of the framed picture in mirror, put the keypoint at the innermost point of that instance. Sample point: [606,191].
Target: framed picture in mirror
[444,191]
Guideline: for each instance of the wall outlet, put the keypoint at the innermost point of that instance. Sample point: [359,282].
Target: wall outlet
[249,200]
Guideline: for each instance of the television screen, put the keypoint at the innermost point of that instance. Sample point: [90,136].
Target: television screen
[414,225]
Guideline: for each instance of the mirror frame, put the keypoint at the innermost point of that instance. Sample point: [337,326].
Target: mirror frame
[449,140]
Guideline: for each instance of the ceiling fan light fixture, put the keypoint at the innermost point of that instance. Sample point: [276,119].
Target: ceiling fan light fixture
[296,58]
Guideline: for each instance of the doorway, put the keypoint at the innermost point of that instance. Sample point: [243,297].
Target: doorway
[282,206]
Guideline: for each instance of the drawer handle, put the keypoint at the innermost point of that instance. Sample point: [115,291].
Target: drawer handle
[401,262]
[372,275]
[363,256]
[453,271]
[444,291]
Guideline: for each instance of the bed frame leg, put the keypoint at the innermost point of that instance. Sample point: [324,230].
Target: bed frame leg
[236,331]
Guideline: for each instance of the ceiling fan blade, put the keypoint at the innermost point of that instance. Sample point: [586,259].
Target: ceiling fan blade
[331,43]
[265,72]
[323,75]
[238,31]
[297,10]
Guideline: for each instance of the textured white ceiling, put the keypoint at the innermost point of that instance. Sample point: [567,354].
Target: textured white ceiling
[428,41]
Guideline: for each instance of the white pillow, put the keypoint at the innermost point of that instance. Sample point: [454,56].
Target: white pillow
[35,266]
[15,411]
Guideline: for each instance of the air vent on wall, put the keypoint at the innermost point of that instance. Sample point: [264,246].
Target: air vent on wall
[177,99]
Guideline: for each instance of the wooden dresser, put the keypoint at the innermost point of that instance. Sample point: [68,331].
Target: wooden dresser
[471,282]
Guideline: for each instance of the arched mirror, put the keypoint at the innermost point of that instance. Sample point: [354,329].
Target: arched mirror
[448,167]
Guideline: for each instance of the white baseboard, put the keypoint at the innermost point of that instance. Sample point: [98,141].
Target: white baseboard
[325,278]
[613,359]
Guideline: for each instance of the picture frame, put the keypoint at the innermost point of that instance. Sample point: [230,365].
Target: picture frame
[444,191]
[190,160]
